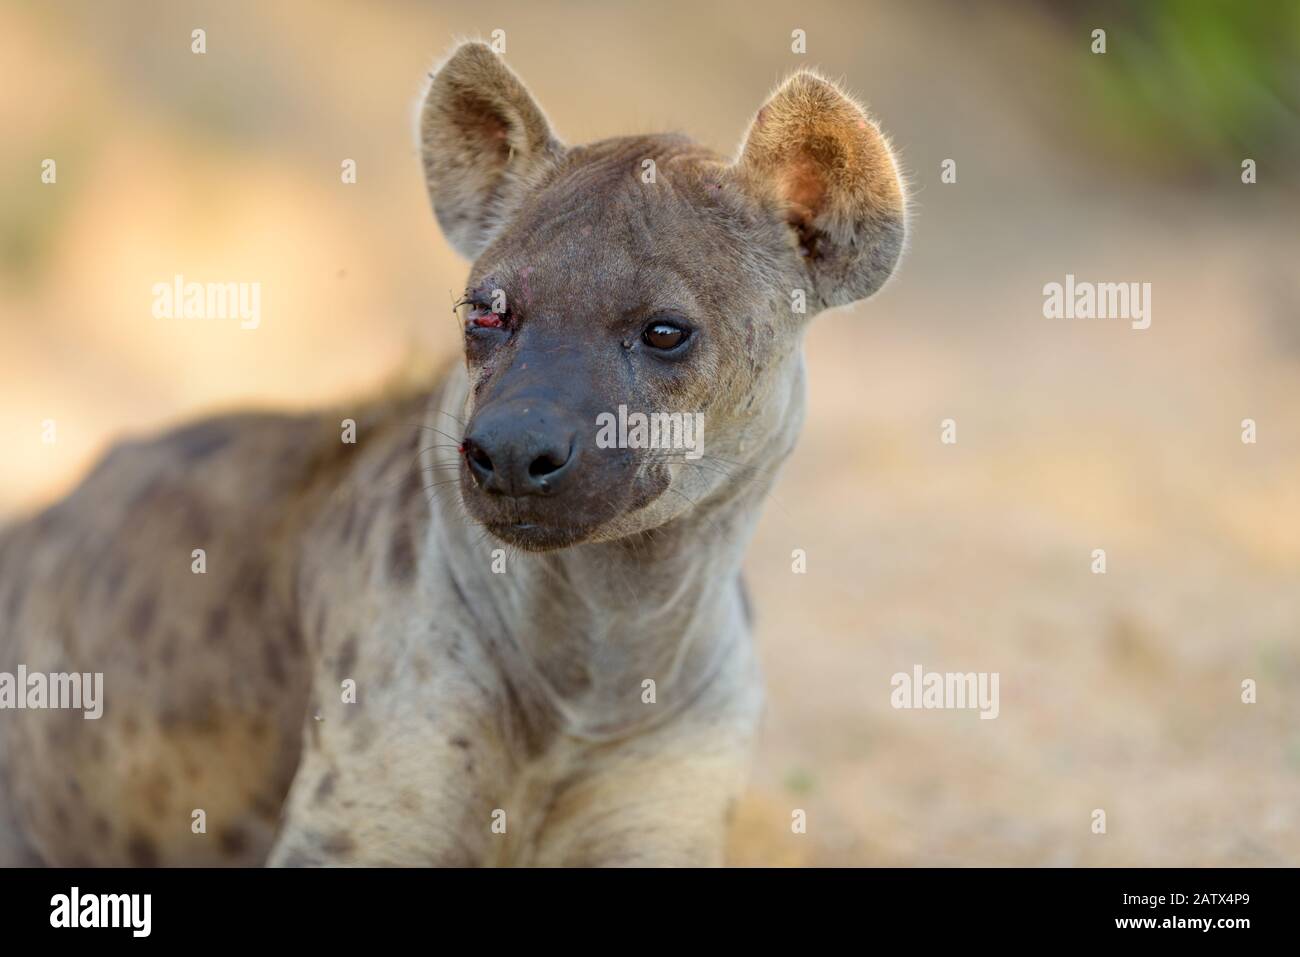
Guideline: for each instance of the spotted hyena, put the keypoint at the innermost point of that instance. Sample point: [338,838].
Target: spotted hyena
[475,635]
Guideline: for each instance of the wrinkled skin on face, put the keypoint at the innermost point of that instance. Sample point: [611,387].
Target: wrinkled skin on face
[646,273]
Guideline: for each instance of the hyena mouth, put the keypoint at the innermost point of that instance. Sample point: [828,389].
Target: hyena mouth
[537,537]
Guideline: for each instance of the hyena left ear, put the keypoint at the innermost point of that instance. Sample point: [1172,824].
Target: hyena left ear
[815,155]
[485,142]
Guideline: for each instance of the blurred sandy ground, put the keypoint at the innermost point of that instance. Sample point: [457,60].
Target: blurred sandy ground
[1118,692]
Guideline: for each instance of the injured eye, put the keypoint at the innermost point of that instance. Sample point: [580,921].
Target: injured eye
[484,318]
[665,336]
[485,328]
[484,306]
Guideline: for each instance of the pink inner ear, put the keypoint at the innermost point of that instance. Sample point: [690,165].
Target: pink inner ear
[804,188]
[480,121]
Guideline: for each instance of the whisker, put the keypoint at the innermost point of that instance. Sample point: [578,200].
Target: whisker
[442,433]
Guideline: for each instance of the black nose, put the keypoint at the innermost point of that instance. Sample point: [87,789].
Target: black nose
[516,448]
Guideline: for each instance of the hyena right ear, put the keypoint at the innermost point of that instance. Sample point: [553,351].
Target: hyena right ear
[829,173]
[484,142]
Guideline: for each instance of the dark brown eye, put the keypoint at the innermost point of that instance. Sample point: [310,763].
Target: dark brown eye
[664,336]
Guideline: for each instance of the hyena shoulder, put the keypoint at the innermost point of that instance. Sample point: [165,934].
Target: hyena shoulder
[171,571]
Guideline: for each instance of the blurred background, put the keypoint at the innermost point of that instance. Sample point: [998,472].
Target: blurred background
[1118,691]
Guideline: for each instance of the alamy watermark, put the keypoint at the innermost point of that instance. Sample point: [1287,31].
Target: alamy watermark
[179,299]
[57,690]
[130,911]
[1098,300]
[651,430]
[952,690]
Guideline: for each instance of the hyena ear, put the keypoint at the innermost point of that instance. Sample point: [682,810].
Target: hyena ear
[484,142]
[815,155]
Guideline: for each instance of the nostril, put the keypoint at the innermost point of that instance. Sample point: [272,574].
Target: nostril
[546,464]
[477,456]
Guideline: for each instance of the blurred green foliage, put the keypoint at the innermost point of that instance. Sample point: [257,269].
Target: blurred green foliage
[1190,84]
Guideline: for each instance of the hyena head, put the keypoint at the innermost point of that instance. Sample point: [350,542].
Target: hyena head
[646,273]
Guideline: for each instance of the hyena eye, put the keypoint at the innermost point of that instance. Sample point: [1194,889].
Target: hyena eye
[484,318]
[664,336]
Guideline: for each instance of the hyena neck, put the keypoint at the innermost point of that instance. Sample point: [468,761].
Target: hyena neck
[590,624]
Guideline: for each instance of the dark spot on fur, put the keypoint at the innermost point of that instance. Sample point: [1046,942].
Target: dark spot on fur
[155,790]
[197,442]
[142,851]
[103,830]
[368,519]
[401,556]
[326,786]
[233,841]
[15,603]
[218,619]
[167,654]
[455,586]
[293,637]
[274,663]
[460,742]
[349,521]
[347,658]
[268,809]
[412,490]
[201,715]
[252,583]
[340,843]
[195,519]
[142,615]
